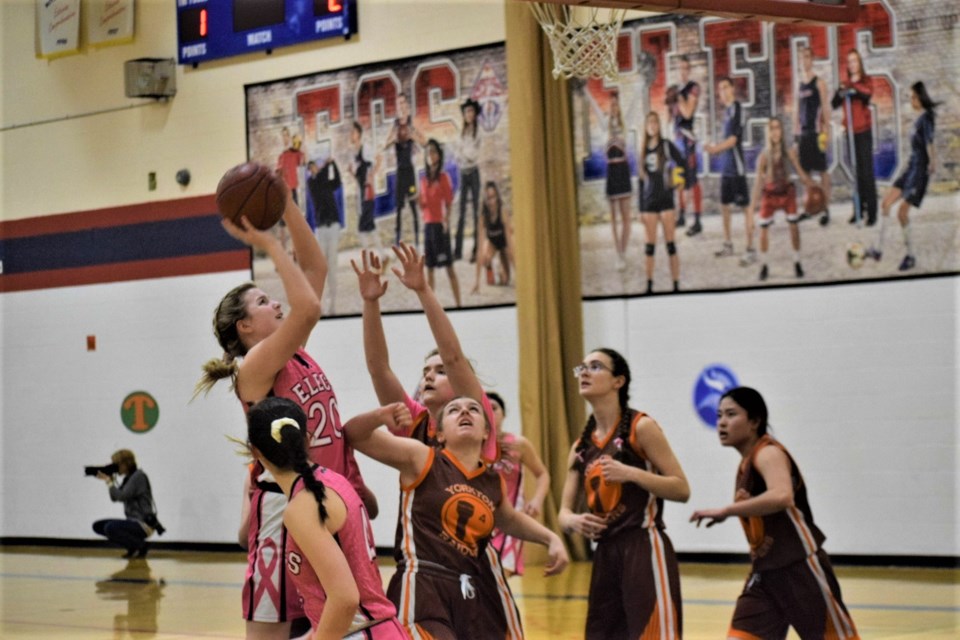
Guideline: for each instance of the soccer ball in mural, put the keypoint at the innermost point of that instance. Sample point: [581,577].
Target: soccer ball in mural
[856,254]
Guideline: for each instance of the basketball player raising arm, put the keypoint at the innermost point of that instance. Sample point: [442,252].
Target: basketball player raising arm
[446,371]
[449,583]
[263,355]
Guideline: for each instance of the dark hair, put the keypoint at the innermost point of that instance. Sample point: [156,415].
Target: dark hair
[493,395]
[486,208]
[620,368]
[358,127]
[752,402]
[925,100]
[434,174]
[290,452]
[726,79]
[863,72]
[472,104]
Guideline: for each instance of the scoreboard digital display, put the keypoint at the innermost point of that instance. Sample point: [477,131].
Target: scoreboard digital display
[212,29]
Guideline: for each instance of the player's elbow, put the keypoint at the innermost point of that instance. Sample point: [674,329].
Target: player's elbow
[682,493]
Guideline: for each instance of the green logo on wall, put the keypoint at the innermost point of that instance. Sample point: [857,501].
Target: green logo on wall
[139,412]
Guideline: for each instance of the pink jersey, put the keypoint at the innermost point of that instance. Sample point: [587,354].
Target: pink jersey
[511,470]
[355,538]
[424,427]
[303,381]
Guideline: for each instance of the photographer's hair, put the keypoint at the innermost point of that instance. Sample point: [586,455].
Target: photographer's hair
[620,368]
[231,310]
[125,456]
[276,427]
[752,402]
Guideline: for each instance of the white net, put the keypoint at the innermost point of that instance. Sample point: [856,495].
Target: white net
[583,39]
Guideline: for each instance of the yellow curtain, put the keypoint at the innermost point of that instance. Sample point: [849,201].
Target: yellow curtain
[547,252]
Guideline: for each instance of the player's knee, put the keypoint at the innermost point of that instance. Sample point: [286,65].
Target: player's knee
[649,248]
[671,248]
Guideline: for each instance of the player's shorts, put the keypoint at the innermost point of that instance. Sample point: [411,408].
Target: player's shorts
[406,183]
[733,190]
[499,241]
[770,203]
[269,594]
[655,199]
[439,603]
[366,223]
[618,178]
[811,158]
[913,184]
[804,595]
[635,588]
[436,246]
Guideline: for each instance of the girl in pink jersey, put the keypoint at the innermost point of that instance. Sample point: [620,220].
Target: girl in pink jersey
[331,557]
[263,356]
[447,372]
[791,582]
[624,465]
[518,454]
[449,583]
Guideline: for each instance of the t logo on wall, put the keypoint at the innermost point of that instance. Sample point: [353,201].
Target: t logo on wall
[139,412]
[714,381]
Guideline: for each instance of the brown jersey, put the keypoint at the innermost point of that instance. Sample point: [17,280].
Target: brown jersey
[623,506]
[781,538]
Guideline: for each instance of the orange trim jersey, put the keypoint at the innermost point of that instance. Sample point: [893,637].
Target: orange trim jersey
[447,572]
[787,536]
[623,506]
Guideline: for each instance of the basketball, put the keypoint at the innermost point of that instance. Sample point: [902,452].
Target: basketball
[815,201]
[856,254]
[252,190]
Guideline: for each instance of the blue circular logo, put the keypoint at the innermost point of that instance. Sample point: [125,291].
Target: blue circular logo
[714,381]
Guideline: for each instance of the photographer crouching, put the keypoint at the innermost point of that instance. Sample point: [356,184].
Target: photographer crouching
[138,506]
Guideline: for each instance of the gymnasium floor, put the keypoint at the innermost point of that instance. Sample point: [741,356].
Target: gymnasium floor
[94,594]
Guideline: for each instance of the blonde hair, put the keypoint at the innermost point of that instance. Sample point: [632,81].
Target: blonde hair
[232,309]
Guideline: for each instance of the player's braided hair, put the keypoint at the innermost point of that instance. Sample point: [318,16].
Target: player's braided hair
[231,309]
[290,452]
[620,368]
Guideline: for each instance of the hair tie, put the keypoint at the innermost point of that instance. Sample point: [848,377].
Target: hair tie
[277,425]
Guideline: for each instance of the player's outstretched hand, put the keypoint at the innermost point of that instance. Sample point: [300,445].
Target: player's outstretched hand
[411,262]
[371,286]
[712,516]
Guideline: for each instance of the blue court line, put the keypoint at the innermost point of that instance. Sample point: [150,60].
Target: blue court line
[530,596]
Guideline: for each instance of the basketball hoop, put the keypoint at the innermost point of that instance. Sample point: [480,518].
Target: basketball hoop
[583,39]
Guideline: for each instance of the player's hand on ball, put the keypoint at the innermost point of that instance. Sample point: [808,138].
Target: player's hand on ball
[248,234]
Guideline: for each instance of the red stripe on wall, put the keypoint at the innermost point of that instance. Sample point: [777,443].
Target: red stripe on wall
[111,217]
[123,271]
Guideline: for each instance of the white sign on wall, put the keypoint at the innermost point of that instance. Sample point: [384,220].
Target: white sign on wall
[109,21]
[58,27]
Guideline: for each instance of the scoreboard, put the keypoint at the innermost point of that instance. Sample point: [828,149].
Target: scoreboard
[212,29]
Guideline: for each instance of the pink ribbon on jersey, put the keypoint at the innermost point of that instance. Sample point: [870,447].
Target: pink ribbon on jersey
[266,571]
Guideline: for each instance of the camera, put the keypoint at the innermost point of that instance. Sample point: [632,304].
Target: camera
[151,521]
[109,470]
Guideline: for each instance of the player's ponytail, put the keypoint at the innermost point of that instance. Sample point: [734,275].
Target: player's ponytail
[232,308]
[276,428]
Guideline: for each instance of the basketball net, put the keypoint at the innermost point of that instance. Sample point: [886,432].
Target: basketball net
[583,39]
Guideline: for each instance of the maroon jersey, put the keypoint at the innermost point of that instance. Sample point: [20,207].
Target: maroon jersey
[355,538]
[784,537]
[623,506]
[776,179]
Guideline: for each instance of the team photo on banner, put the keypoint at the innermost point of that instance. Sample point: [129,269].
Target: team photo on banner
[758,153]
[413,151]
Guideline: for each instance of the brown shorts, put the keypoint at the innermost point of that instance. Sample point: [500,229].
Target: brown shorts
[804,595]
